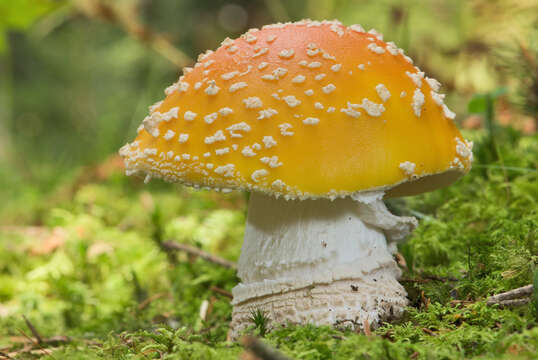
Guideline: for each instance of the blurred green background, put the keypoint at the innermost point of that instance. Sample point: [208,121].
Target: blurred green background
[77,76]
[81,245]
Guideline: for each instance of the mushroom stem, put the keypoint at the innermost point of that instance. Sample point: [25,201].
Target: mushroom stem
[320,261]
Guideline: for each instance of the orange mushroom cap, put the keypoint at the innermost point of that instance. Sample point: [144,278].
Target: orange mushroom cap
[306,109]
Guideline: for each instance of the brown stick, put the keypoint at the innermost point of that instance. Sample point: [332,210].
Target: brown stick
[515,297]
[510,295]
[53,340]
[171,245]
[130,24]
[261,350]
[429,332]
[151,299]
[427,278]
[33,330]
[221,292]
[514,302]
[440,278]
[418,281]
[461,302]
[5,355]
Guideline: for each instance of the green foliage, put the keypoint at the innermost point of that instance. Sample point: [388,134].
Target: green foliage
[519,60]
[110,283]
[260,321]
[21,14]
[480,103]
[108,265]
[485,104]
[483,232]
[80,252]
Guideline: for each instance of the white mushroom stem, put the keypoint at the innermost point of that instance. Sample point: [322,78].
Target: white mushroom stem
[320,261]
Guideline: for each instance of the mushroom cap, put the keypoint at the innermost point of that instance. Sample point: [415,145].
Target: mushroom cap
[307,109]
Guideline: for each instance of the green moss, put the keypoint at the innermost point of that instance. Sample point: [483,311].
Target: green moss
[117,295]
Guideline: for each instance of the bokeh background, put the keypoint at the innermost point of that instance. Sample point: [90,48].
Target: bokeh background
[85,252]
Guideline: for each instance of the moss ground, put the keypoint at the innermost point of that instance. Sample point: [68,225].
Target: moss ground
[83,261]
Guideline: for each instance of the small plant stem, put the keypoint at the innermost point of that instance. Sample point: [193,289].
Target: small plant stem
[157,236]
[469,266]
[139,291]
[490,126]
[260,320]
[492,142]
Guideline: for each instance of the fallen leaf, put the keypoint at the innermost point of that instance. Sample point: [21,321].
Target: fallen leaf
[99,248]
[429,332]
[366,328]
[472,122]
[400,260]
[424,300]
[514,349]
[50,242]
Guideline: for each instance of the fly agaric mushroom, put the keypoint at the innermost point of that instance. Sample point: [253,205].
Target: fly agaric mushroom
[320,122]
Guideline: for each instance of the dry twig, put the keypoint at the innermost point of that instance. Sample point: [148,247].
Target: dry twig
[417,281]
[5,355]
[261,350]
[105,11]
[461,302]
[510,295]
[171,245]
[34,346]
[427,278]
[514,302]
[33,330]
[150,299]
[30,340]
[222,292]
[516,297]
[429,332]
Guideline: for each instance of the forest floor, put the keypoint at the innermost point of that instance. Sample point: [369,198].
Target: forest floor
[87,270]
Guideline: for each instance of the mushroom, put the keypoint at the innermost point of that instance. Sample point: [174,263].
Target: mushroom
[320,122]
